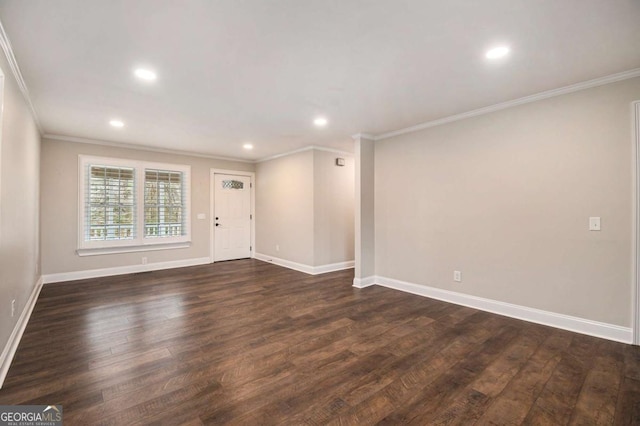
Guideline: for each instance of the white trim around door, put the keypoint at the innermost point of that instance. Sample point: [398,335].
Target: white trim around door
[212,176]
[635,262]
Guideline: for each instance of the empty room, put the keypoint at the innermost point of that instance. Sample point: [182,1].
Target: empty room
[286,212]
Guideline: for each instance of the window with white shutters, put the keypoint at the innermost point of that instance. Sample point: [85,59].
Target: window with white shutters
[110,210]
[127,204]
[163,203]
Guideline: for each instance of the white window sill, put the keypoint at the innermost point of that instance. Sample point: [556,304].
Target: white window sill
[131,249]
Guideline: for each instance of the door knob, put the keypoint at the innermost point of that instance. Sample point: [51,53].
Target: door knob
[217,224]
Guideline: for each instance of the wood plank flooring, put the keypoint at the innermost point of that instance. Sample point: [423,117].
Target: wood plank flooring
[250,343]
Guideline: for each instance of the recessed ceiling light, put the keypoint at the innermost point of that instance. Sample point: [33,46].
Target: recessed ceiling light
[116,123]
[320,121]
[145,74]
[247,146]
[497,52]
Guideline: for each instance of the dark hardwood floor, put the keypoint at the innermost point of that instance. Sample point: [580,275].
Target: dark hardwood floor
[250,343]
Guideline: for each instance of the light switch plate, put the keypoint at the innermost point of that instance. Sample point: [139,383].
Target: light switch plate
[594,224]
[202,216]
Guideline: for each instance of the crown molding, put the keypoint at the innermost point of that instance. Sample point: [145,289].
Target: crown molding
[363,136]
[520,101]
[17,74]
[306,148]
[147,148]
[141,147]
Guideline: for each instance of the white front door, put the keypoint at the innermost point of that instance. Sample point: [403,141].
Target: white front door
[232,217]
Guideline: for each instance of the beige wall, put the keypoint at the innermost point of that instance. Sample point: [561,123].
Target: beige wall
[60,206]
[19,197]
[284,207]
[505,198]
[333,193]
[304,205]
[364,209]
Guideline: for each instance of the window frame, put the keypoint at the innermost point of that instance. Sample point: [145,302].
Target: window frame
[139,242]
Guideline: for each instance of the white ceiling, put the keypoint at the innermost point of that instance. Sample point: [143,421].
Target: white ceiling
[232,71]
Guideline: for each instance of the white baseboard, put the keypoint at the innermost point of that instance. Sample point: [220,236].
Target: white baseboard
[12,345]
[364,282]
[565,322]
[121,270]
[307,269]
[332,267]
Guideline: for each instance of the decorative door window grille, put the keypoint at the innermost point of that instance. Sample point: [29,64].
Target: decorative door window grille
[232,184]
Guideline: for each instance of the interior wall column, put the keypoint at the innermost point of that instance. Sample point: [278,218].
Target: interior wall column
[364,210]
